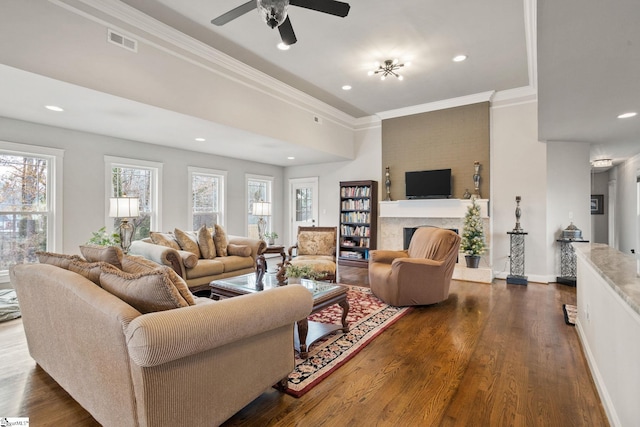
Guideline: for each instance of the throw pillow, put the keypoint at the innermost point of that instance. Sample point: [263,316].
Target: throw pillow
[146,292]
[181,286]
[164,239]
[205,242]
[316,243]
[137,264]
[59,260]
[189,259]
[239,250]
[90,270]
[220,240]
[188,241]
[109,254]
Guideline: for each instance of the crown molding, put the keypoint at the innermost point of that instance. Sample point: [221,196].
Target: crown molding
[438,105]
[235,70]
[519,95]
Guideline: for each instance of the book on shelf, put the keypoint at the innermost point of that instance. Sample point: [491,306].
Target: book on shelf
[355,191]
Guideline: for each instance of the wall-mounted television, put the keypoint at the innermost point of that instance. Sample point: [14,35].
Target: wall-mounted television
[431,184]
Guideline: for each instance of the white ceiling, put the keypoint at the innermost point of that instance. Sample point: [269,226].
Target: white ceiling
[498,36]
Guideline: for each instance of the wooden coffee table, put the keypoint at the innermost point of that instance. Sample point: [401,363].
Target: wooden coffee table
[307,332]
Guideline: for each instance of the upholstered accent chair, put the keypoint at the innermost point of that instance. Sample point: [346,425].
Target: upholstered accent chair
[418,276]
[316,246]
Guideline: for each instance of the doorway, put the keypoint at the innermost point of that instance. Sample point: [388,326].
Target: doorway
[303,196]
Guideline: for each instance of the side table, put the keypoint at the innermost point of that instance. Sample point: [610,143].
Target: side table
[516,253]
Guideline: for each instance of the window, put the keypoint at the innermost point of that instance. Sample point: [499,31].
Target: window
[259,190]
[207,190]
[29,195]
[136,178]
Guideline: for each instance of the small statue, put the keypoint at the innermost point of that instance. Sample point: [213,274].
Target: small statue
[466,194]
[387,184]
[282,271]
[518,228]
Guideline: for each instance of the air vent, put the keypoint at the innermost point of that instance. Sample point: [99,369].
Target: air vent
[122,41]
[317,119]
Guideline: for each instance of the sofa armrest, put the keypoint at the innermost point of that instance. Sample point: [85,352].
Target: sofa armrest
[408,270]
[161,337]
[162,255]
[386,257]
[257,246]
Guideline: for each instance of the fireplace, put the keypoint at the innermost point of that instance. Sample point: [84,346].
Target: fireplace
[407,234]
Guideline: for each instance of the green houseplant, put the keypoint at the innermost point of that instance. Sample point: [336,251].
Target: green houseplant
[271,237]
[102,238]
[473,243]
[297,272]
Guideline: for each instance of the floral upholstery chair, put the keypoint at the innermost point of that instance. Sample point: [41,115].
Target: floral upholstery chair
[316,246]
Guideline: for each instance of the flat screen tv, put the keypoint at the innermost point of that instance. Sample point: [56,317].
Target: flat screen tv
[432,184]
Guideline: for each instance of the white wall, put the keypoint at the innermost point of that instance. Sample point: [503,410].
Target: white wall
[628,214]
[518,168]
[366,166]
[84,198]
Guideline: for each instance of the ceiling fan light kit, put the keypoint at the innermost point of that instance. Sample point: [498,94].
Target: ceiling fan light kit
[390,67]
[275,13]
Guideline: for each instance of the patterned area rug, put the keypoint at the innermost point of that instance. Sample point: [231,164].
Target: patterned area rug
[570,313]
[368,317]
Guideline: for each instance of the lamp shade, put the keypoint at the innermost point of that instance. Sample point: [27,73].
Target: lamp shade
[261,209]
[124,207]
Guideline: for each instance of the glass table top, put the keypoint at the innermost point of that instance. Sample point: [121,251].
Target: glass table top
[247,284]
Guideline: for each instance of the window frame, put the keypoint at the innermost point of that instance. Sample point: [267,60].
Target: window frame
[222,198]
[156,186]
[54,157]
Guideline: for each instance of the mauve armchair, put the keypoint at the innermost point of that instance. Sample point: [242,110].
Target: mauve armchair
[420,275]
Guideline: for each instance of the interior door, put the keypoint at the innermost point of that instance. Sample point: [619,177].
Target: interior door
[303,204]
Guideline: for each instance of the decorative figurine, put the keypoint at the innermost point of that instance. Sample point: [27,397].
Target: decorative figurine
[476,178]
[466,194]
[387,184]
[518,228]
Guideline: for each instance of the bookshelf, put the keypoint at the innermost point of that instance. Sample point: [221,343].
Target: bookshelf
[358,222]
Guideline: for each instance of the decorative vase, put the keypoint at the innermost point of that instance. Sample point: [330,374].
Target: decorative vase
[473,261]
[271,241]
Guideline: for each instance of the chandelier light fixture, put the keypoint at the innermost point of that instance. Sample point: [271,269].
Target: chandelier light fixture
[602,163]
[390,67]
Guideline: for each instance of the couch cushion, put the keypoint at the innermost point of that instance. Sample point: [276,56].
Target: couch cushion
[135,264]
[180,285]
[316,243]
[189,259]
[221,241]
[188,241]
[235,263]
[205,242]
[164,239]
[90,270]
[206,267]
[319,263]
[59,260]
[109,254]
[238,250]
[146,292]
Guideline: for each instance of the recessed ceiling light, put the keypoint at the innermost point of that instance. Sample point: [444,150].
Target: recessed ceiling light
[627,115]
[459,58]
[283,46]
[54,108]
[346,87]
[291,158]
[200,139]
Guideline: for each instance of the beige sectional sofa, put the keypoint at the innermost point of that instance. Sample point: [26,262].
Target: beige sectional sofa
[194,365]
[238,256]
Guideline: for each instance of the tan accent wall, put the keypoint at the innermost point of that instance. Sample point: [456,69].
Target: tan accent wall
[446,139]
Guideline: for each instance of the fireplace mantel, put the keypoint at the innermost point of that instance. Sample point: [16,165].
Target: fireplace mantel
[431,208]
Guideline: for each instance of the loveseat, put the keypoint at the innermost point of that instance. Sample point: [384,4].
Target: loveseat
[189,253]
[130,366]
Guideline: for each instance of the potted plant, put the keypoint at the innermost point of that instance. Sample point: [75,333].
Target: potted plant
[102,238]
[473,244]
[296,272]
[271,237]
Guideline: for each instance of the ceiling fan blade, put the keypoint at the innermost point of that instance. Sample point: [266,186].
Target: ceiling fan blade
[331,7]
[234,13]
[286,32]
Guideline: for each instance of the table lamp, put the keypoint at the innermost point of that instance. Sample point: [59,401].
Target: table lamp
[125,208]
[261,209]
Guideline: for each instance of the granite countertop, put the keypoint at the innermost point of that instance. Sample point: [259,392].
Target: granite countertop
[619,270]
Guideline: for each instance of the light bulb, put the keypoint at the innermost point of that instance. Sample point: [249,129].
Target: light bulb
[274,12]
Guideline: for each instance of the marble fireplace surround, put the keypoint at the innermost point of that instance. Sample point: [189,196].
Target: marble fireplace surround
[397,215]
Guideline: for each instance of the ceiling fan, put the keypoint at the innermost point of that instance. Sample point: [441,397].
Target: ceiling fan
[274,13]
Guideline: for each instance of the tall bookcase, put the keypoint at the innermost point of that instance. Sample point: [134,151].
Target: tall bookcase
[358,222]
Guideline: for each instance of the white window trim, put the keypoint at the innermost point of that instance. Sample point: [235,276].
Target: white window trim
[212,172]
[110,161]
[248,177]
[55,157]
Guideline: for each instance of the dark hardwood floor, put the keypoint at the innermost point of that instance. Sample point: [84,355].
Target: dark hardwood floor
[490,355]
